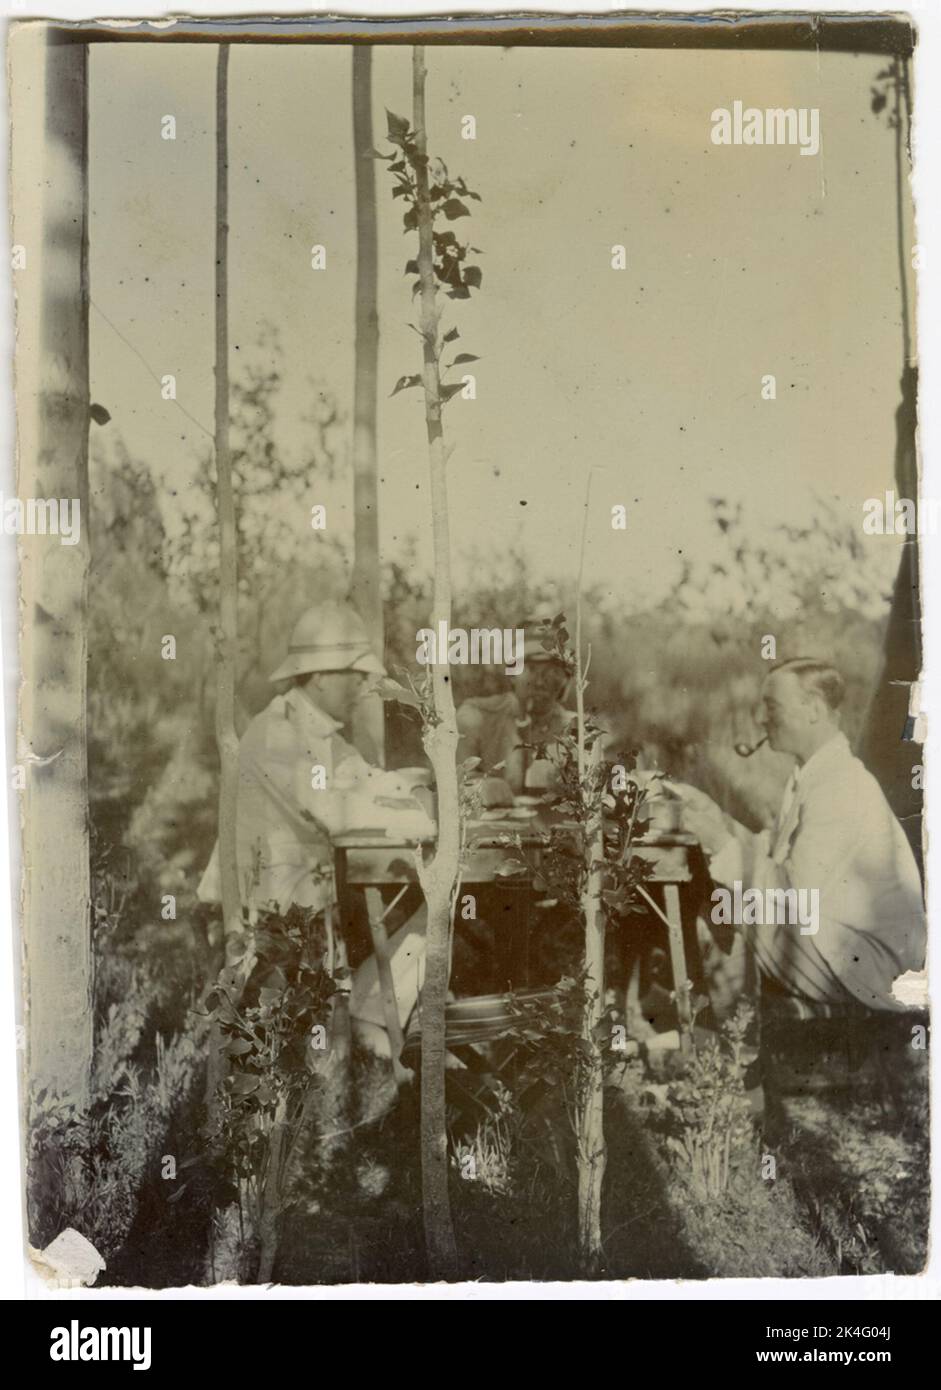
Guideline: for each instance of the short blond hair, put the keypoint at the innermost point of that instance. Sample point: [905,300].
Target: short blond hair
[818,677]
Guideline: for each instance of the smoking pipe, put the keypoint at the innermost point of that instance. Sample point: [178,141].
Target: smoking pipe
[745,750]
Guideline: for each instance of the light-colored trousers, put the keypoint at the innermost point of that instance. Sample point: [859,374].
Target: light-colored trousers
[407,958]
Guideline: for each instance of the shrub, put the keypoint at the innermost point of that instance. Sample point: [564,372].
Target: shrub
[85,1167]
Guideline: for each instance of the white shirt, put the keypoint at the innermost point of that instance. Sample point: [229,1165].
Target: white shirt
[835,833]
[284,821]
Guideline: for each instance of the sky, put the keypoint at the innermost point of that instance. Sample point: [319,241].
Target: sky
[741,262]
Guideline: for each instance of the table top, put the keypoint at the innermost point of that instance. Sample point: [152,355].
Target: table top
[492,834]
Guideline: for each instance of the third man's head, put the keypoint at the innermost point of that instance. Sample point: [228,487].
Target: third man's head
[799,706]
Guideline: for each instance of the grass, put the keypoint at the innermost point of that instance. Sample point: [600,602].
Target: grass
[87,1168]
[847,1194]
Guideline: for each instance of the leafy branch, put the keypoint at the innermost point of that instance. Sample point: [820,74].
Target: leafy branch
[455,275]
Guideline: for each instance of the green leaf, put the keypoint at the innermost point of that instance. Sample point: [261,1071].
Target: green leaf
[239,1047]
[410,220]
[388,689]
[398,127]
[448,272]
[464,357]
[450,336]
[447,392]
[411,268]
[243,1084]
[454,208]
[377,154]
[473,276]
[402,191]
[403,383]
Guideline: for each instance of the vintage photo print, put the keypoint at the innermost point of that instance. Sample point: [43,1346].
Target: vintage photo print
[468,779]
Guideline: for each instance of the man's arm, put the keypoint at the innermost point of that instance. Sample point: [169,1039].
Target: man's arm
[302,783]
[470,722]
[715,831]
[858,911]
[827,839]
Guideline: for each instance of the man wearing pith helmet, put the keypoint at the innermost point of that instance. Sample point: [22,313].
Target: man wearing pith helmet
[284,820]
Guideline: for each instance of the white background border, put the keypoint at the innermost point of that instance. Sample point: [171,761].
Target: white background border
[17,1279]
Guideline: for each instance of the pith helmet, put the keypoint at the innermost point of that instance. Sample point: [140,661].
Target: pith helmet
[331,637]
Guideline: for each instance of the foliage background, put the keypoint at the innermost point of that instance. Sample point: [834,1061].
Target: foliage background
[675,681]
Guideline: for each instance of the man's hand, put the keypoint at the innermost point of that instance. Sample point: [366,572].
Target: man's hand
[700,816]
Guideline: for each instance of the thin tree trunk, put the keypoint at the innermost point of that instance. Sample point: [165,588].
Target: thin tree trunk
[364,588]
[53,578]
[592,1156]
[226,736]
[271,1196]
[439,877]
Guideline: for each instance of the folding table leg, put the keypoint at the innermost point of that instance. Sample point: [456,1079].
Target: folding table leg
[375,911]
[674,917]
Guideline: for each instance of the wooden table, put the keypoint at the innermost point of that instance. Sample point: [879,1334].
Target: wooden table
[369,861]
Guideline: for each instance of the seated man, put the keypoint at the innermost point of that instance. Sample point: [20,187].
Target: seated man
[493,727]
[835,836]
[285,817]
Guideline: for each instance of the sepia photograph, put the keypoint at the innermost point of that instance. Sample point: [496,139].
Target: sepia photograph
[468,781]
